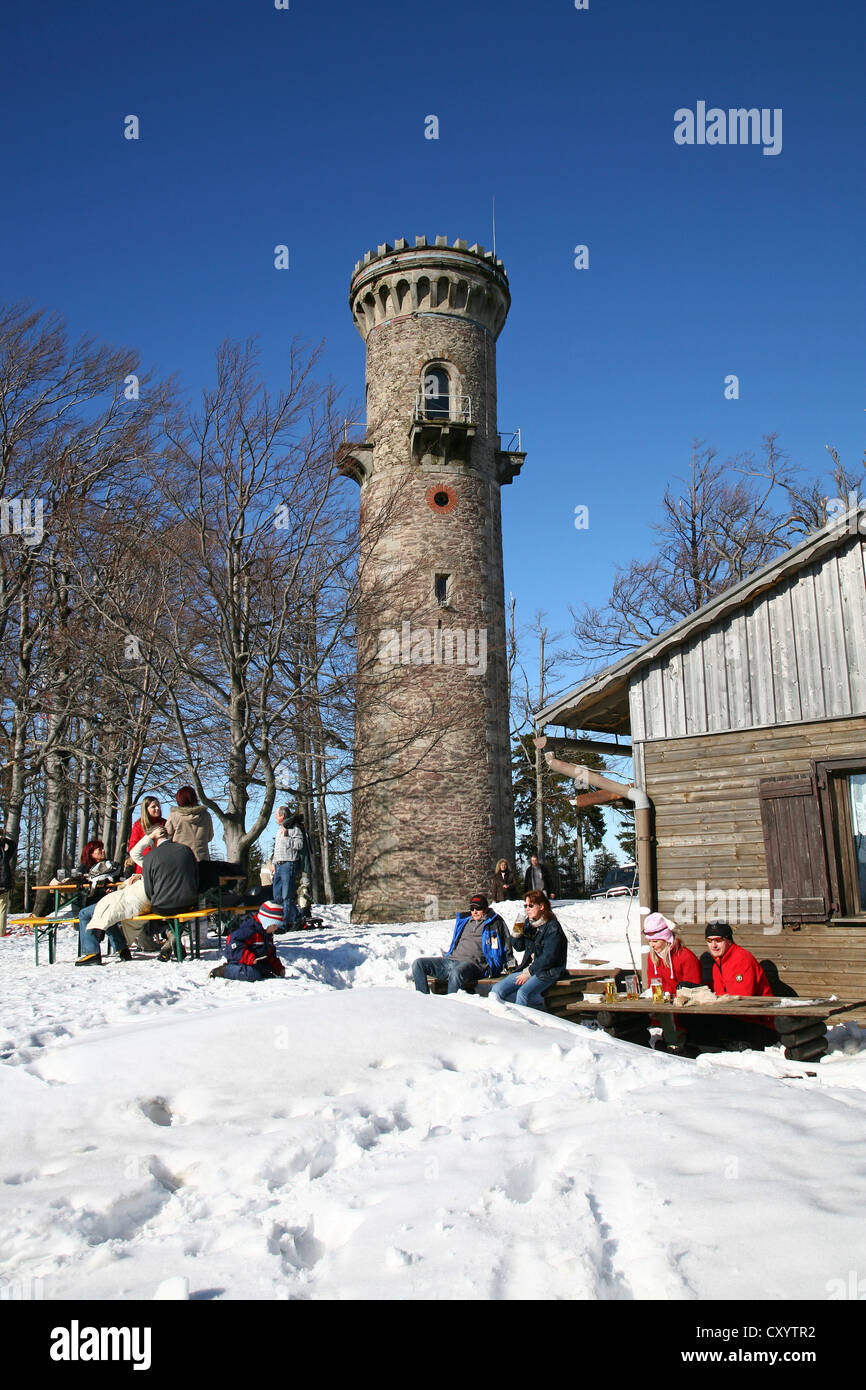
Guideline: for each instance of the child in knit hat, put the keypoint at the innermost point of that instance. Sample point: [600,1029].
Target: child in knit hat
[250,947]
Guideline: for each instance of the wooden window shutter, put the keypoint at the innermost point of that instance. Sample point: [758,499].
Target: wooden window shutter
[794,846]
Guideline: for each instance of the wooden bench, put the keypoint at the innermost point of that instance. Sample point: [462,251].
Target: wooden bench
[557,997]
[45,926]
[176,926]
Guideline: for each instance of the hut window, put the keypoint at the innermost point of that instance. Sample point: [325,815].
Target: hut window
[857,806]
[842,789]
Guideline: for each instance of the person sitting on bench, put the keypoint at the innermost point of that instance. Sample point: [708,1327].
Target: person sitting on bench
[250,947]
[669,963]
[93,876]
[170,876]
[546,947]
[673,966]
[480,946]
[735,972]
[104,917]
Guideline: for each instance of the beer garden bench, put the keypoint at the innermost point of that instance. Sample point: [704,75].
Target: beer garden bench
[557,996]
[42,927]
[176,926]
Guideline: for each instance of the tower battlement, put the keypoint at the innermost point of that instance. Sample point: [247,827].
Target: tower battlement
[429,277]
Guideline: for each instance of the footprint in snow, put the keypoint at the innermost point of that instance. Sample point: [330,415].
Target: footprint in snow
[156,1111]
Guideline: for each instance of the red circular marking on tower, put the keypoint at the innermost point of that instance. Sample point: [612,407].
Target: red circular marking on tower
[441,499]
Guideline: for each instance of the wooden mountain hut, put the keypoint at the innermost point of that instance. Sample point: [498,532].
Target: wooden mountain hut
[748,729]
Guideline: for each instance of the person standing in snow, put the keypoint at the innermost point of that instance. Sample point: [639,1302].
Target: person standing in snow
[480,946]
[504,886]
[288,850]
[250,947]
[303,915]
[546,948]
[538,877]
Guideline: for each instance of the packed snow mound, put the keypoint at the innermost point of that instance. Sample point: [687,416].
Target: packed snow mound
[335,1135]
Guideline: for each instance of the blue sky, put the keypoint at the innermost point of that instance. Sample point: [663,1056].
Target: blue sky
[306,127]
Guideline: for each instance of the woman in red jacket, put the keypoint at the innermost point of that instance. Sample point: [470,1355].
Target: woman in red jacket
[151,815]
[669,962]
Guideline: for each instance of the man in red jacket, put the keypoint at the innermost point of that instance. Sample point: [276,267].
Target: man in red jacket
[735,970]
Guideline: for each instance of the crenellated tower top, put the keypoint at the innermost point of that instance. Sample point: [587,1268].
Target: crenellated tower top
[393,282]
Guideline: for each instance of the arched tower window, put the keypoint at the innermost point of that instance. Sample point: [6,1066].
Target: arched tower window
[436,391]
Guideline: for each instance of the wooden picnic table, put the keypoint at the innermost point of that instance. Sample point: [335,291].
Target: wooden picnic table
[742,1006]
[801,1024]
[47,926]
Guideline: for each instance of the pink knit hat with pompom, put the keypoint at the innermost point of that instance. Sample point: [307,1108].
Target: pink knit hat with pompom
[658,928]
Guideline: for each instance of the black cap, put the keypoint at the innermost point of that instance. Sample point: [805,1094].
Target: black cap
[479,901]
[719,929]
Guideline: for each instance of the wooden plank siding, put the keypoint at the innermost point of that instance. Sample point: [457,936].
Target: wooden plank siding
[794,654]
[708,831]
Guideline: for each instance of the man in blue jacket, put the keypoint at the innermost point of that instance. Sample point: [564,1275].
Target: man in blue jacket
[480,946]
[546,951]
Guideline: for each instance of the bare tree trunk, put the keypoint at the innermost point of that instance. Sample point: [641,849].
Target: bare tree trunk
[581,870]
[53,821]
[108,820]
[75,805]
[317,746]
[539,760]
[327,886]
[306,804]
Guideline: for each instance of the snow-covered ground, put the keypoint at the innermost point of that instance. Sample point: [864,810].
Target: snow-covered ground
[335,1135]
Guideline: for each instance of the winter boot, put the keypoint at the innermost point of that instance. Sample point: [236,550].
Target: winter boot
[167,952]
[93,959]
[218,974]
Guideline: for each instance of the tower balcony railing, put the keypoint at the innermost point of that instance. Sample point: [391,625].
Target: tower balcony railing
[455,410]
[510,443]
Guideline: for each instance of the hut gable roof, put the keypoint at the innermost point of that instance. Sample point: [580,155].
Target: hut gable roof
[601,703]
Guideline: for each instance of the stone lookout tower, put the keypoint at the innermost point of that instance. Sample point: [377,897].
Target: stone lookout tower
[432,803]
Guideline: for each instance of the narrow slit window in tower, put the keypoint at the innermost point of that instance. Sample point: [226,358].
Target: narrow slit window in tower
[441,587]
